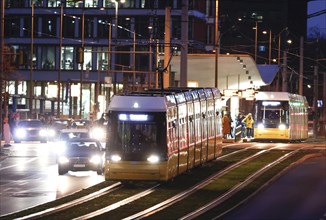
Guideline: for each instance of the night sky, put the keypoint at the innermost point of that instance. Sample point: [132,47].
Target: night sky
[318,21]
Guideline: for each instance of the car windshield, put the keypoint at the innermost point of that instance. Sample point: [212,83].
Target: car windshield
[80,145]
[32,124]
[60,123]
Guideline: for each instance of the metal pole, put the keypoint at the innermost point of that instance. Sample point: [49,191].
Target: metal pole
[184,44]
[82,68]
[301,67]
[109,63]
[270,47]
[31,86]
[256,40]
[134,64]
[116,4]
[315,106]
[2,63]
[216,44]
[60,58]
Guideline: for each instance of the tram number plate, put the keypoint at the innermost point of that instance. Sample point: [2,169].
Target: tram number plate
[79,165]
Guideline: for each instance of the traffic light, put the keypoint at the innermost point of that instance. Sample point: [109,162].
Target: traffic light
[80,55]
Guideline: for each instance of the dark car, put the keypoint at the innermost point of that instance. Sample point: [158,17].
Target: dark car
[30,130]
[81,154]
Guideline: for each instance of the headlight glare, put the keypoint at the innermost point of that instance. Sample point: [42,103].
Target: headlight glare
[115,158]
[63,160]
[51,132]
[21,133]
[43,133]
[261,126]
[95,159]
[282,127]
[153,159]
[98,133]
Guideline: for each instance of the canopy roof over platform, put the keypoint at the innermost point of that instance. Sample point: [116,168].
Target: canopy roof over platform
[235,71]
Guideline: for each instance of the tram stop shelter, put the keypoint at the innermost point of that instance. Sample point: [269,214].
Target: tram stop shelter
[238,75]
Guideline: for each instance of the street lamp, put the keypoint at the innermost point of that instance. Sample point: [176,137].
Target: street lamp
[82,65]
[31,86]
[269,45]
[116,4]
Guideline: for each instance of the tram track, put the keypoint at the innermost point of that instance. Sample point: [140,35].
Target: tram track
[55,209]
[142,194]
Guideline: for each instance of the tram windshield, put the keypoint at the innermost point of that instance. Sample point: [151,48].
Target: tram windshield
[272,113]
[135,135]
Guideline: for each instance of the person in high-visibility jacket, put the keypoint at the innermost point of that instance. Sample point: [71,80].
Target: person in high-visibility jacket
[249,122]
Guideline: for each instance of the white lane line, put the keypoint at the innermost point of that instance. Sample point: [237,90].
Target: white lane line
[18,164]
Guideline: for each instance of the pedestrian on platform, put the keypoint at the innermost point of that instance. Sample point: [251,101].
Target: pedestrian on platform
[249,122]
[226,125]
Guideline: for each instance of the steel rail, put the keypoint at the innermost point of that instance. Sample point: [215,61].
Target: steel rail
[236,188]
[72,203]
[160,206]
[118,204]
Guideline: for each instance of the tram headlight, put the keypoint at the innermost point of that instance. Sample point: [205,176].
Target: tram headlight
[282,127]
[115,158]
[261,126]
[153,159]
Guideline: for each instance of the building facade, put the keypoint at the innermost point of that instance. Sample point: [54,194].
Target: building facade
[71,56]
[93,43]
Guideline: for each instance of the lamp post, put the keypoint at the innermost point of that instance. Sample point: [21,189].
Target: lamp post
[82,66]
[31,86]
[60,58]
[216,43]
[256,39]
[269,45]
[116,5]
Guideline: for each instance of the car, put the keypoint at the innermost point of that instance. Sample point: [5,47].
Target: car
[30,130]
[81,154]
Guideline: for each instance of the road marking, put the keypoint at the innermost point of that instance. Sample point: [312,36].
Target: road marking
[19,164]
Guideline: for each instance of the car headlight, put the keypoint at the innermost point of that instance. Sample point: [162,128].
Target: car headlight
[51,133]
[153,159]
[282,126]
[20,133]
[59,147]
[43,133]
[63,160]
[261,126]
[115,158]
[95,159]
[98,133]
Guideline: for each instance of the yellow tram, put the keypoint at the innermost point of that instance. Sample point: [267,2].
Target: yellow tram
[280,116]
[157,135]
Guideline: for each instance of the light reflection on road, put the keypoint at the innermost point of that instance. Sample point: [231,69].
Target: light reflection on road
[29,177]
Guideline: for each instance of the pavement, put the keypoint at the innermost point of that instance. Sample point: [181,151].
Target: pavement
[299,194]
